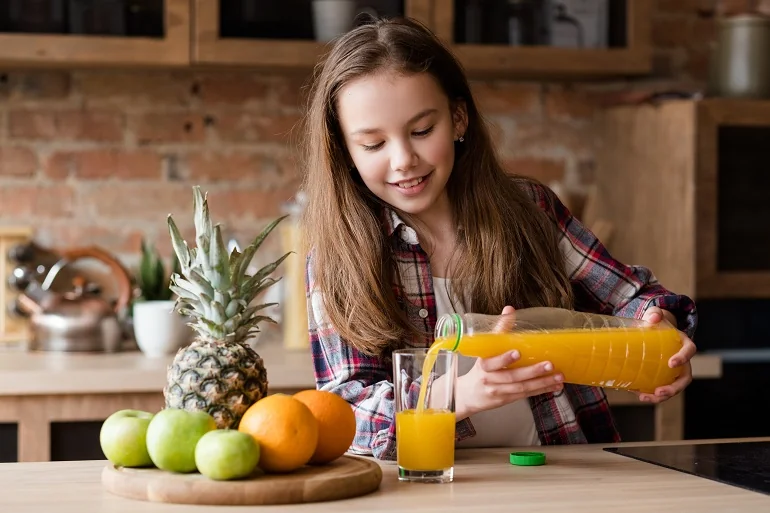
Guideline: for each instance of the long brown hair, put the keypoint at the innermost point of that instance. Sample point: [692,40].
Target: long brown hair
[507,250]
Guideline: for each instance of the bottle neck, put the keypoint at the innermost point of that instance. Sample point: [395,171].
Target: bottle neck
[450,327]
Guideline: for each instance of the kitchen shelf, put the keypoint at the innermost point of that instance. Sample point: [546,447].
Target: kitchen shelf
[197,35]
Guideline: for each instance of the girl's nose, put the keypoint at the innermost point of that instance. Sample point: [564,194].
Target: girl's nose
[404,157]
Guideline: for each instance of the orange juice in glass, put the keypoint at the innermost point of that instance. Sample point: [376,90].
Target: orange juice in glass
[424,384]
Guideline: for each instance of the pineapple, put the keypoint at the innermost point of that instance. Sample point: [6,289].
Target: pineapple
[218,372]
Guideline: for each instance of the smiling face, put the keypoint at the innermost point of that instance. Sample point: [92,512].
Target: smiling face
[400,132]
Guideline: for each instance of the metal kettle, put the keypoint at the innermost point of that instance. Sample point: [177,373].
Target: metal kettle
[76,320]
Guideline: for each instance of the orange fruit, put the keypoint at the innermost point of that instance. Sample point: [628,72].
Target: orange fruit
[284,428]
[336,424]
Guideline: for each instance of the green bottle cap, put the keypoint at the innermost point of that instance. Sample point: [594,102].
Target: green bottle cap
[527,459]
[458,326]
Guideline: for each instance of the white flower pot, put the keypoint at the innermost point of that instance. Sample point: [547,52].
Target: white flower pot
[158,329]
[332,18]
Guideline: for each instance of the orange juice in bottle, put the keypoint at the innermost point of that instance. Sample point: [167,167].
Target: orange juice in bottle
[588,349]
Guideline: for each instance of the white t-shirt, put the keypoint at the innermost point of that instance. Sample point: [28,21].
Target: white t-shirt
[508,426]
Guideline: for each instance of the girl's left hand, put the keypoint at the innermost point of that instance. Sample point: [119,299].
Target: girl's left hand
[654,315]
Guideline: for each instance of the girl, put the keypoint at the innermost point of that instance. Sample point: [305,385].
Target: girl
[410,215]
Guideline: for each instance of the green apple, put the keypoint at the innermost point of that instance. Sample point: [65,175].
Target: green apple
[123,438]
[172,436]
[226,454]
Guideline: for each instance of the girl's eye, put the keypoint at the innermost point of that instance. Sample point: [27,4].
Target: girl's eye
[373,147]
[423,133]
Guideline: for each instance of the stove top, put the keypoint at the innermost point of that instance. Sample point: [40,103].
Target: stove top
[742,464]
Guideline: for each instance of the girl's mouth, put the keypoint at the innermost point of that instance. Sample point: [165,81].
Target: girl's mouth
[411,183]
[413,186]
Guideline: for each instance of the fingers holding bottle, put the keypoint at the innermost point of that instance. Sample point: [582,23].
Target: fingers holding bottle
[519,383]
[491,383]
[507,320]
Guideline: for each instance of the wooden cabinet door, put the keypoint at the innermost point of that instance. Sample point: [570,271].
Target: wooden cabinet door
[482,33]
[274,33]
[79,41]
[684,183]
[731,209]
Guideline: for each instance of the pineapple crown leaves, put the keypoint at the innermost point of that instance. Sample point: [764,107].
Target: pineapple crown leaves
[214,287]
[151,276]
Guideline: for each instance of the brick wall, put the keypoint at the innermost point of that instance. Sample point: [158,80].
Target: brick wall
[103,157]
[98,157]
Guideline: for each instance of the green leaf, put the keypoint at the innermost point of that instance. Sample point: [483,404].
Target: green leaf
[234,264]
[195,277]
[151,276]
[253,309]
[234,306]
[214,329]
[201,216]
[193,288]
[220,265]
[259,319]
[187,312]
[242,333]
[180,246]
[202,261]
[176,267]
[218,313]
[266,270]
[254,292]
[249,252]
[184,293]
[203,228]
[161,286]
[222,298]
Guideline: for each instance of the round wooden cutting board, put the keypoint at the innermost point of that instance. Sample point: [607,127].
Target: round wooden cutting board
[346,477]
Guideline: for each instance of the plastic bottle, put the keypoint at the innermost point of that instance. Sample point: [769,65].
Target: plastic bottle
[588,349]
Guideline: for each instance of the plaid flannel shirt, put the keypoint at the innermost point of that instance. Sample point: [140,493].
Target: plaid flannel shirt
[577,414]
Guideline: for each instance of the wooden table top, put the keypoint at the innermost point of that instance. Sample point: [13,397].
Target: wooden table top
[575,479]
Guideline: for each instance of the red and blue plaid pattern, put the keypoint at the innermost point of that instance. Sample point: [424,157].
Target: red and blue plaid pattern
[577,414]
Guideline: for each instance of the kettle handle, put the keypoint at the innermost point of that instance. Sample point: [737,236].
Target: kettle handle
[118,270]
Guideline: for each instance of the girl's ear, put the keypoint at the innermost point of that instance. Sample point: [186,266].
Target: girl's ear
[460,118]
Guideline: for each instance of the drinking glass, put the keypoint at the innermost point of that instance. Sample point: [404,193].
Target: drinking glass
[425,422]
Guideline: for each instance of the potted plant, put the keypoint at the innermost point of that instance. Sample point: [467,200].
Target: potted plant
[159,330]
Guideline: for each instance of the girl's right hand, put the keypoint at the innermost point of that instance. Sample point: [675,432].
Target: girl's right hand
[490,384]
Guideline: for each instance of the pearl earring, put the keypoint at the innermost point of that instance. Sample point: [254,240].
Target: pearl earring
[461,139]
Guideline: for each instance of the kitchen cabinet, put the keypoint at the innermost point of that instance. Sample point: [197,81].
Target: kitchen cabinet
[686,180]
[64,426]
[9,440]
[88,33]
[281,34]
[685,184]
[530,38]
